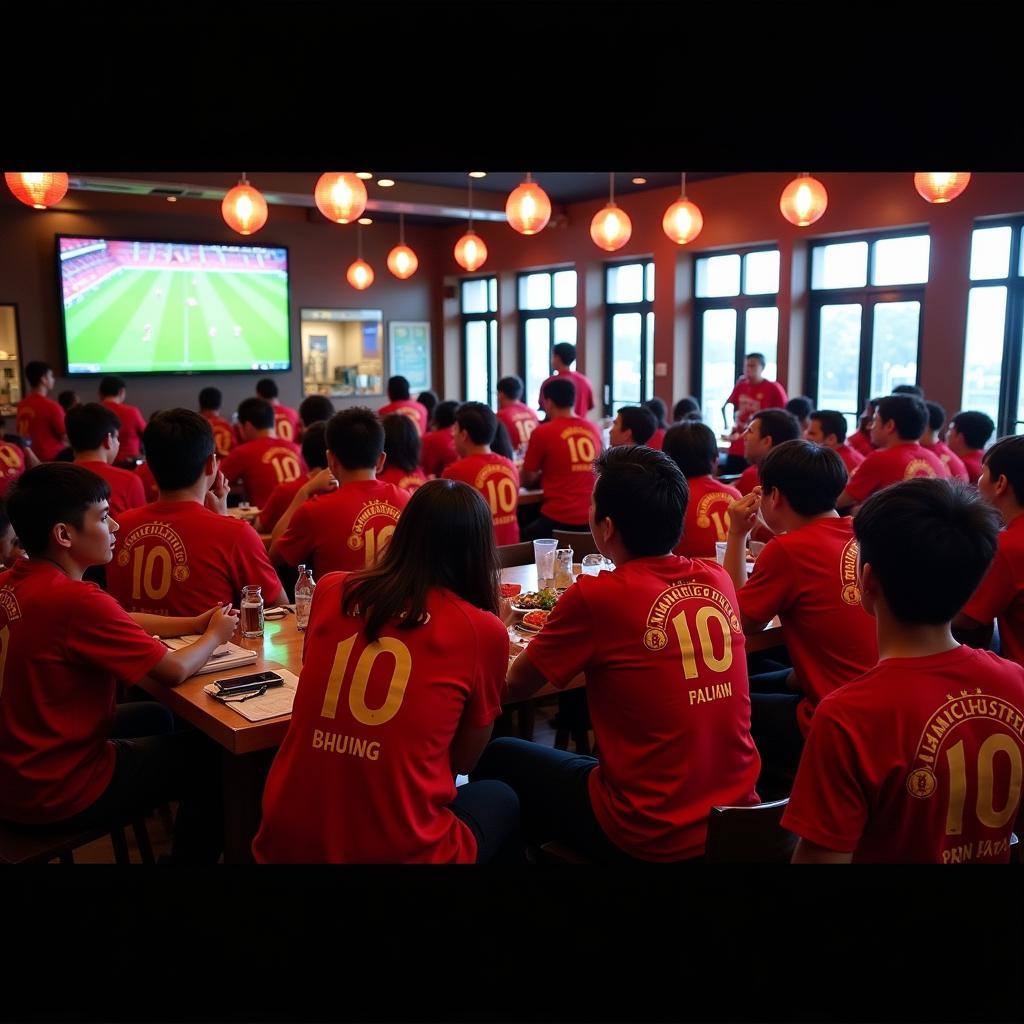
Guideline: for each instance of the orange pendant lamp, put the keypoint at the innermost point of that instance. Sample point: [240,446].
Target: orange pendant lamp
[803,200]
[528,208]
[340,196]
[683,220]
[470,251]
[360,274]
[611,227]
[941,186]
[244,208]
[402,261]
[38,189]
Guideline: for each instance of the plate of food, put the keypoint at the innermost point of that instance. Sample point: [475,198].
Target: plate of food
[533,622]
[540,600]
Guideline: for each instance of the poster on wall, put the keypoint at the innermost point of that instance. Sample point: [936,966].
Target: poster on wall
[409,352]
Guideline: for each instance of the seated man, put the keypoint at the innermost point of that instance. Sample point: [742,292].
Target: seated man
[112,394]
[314,454]
[403,447]
[519,419]
[438,449]
[400,402]
[660,410]
[919,759]
[766,430]
[210,401]
[287,425]
[827,427]
[633,425]
[967,436]
[861,441]
[70,756]
[315,409]
[801,407]
[930,439]
[807,575]
[184,552]
[93,431]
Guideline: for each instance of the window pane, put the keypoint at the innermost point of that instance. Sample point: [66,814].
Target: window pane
[649,386]
[894,345]
[1020,402]
[649,282]
[474,295]
[565,288]
[538,356]
[901,260]
[492,295]
[477,360]
[535,291]
[565,330]
[626,283]
[718,367]
[983,355]
[625,360]
[839,357]
[842,265]
[990,252]
[762,273]
[718,275]
[762,326]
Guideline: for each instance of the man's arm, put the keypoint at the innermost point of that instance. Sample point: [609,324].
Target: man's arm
[531,480]
[467,746]
[846,503]
[524,679]
[742,519]
[177,666]
[807,852]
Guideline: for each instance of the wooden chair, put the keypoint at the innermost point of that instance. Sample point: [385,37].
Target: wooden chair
[515,554]
[28,846]
[749,835]
[581,541]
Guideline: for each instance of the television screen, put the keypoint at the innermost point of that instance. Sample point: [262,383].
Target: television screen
[173,307]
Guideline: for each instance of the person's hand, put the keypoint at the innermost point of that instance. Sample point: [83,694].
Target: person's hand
[221,623]
[321,483]
[217,496]
[508,616]
[743,513]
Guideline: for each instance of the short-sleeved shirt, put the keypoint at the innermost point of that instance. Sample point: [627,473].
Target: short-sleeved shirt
[918,761]
[66,644]
[808,577]
[949,458]
[972,463]
[149,485]
[416,411]
[584,392]
[223,436]
[401,479]
[132,425]
[660,643]
[497,479]
[287,424]
[126,490]
[438,451]
[278,503]
[748,480]
[564,450]
[262,464]
[752,398]
[707,517]
[850,456]
[364,772]
[520,422]
[41,420]
[861,442]
[12,465]
[886,466]
[344,530]
[181,558]
[1000,595]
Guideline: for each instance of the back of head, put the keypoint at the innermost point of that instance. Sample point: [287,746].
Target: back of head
[428,400]
[809,476]
[1006,458]
[88,424]
[257,412]
[929,542]
[67,399]
[267,388]
[976,428]
[639,421]
[398,389]
[314,445]
[561,392]
[908,412]
[693,447]
[355,438]
[800,406]
[478,421]
[644,493]
[502,443]
[178,443]
[401,442]
[660,410]
[444,414]
[315,409]
[936,416]
[111,387]
[832,422]
[908,389]
[35,371]
[688,406]
[777,424]
[511,387]
[565,351]
[210,400]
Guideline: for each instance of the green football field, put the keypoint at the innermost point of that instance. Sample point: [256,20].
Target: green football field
[174,320]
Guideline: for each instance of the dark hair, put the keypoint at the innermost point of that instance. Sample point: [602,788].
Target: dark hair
[511,387]
[314,445]
[688,406]
[402,442]
[68,399]
[178,443]
[211,398]
[693,447]
[777,424]
[639,421]
[800,406]
[810,476]
[355,437]
[315,409]
[111,386]
[561,391]
[908,412]
[1006,458]
[87,425]
[759,356]
[929,542]
[502,443]
[565,351]
[444,538]
[644,493]
[477,420]
[257,411]
[35,371]
[51,493]
[444,414]
[832,422]
[428,400]
[936,416]
[398,389]
[976,428]
[267,388]
[5,519]
[908,389]
[660,410]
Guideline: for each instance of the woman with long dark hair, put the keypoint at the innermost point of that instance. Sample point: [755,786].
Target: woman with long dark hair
[402,445]
[402,674]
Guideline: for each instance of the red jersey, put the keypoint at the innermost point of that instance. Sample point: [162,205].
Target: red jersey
[850,456]
[223,435]
[520,422]
[12,465]
[287,424]
[918,761]
[346,529]
[277,504]
[564,450]
[954,465]
[364,773]
[416,411]
[971,460]
[886,466]
[132,426]
[584,393]
[497,479]
[808,577]
[126,489]
[661,645]
[861,443]
[263,464]
[1000,595]
[181,558]
[748,480]
[405,481]
[657,439]
[149,487]
[65,645]
[41,420]
[751,398]
[707,517]
[438,451]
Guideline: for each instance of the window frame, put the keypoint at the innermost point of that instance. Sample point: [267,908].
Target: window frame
[490,318]
[611,310]
[551,314]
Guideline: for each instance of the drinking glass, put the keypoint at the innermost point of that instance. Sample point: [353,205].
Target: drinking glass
[563,567]
[252,612]
[720,546]
[593,564]
[544,556]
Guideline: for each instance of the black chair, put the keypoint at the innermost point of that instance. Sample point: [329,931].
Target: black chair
[749,835]
[40,846]
[515,554]
[581,541]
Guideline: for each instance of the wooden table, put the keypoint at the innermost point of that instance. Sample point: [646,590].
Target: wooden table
[530,497]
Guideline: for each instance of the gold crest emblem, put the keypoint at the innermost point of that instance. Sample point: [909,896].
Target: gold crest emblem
[655,639]
[921,783]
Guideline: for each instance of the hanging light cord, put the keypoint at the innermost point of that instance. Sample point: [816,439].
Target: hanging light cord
[611,188]
[359,241]
[470,205]
[682,185]
[401,229]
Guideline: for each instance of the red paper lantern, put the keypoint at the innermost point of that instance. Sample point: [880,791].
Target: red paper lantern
[38,189]
[611,227]
[528,208]
[803,200]
[340,196]
[360,274]
[941,186]
[683,221]
[402,262]
[470,251]
[244,208]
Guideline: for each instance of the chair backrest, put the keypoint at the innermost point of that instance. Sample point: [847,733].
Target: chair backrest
[582,542]
[515,554]
[749,835]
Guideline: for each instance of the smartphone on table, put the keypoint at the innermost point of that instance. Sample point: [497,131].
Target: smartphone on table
[253,681]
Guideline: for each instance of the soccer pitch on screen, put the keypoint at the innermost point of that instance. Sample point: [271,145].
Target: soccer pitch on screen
[174,321]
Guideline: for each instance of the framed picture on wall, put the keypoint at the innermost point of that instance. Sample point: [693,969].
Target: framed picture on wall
[409,352]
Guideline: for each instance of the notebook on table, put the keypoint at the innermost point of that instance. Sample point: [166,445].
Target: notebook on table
[225,656]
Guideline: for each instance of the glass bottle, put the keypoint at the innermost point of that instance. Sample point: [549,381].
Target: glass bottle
[304,588]
[252,612]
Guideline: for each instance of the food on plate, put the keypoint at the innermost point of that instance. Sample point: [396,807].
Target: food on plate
[544,600]
[535,620]
[510,589]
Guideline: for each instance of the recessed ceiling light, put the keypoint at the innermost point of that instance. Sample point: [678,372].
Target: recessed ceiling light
[172,199]
[639,181]
[385,182]
[365,175]
[365,220]
[478,174]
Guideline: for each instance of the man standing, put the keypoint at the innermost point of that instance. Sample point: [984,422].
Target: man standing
[40,418]
[563,355]
[751,394]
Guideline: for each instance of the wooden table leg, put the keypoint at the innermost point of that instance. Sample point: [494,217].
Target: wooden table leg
[243,778]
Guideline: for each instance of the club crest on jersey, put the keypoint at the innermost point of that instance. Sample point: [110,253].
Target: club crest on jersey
[9,604]
[169,539]
[656,635]
[366,513]
[918,467]
[705,503]
[848,573]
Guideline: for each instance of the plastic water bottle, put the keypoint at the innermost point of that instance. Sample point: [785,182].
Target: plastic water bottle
[304,588]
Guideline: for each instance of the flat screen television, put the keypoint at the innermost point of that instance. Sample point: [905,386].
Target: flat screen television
[132,306]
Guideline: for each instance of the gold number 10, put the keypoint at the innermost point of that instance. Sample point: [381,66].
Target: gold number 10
[357,692]
[987,814]
[704,615]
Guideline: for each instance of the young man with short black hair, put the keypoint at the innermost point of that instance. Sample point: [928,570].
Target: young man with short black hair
[967,436]
[438,449]
[314,454]
[563,355]
[751,395]
[400,402]
[633,425]
[930,439]
[210,401]
[519,419]
[112,394]
[287,424]
[827,427]
[860,441]
[909,389]
[801,407]
[660,410]
[315,409]
[767,429]
[263,460]
[41,419]
[93,432]
[686,408]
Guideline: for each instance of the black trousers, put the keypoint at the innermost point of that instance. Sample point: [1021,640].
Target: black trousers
[491,810]
[775,732]
[542,527]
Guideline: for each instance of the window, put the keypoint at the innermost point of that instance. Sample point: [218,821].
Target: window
[629,334]
[547,307]
[479,304]
[736,313]
[865,318]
